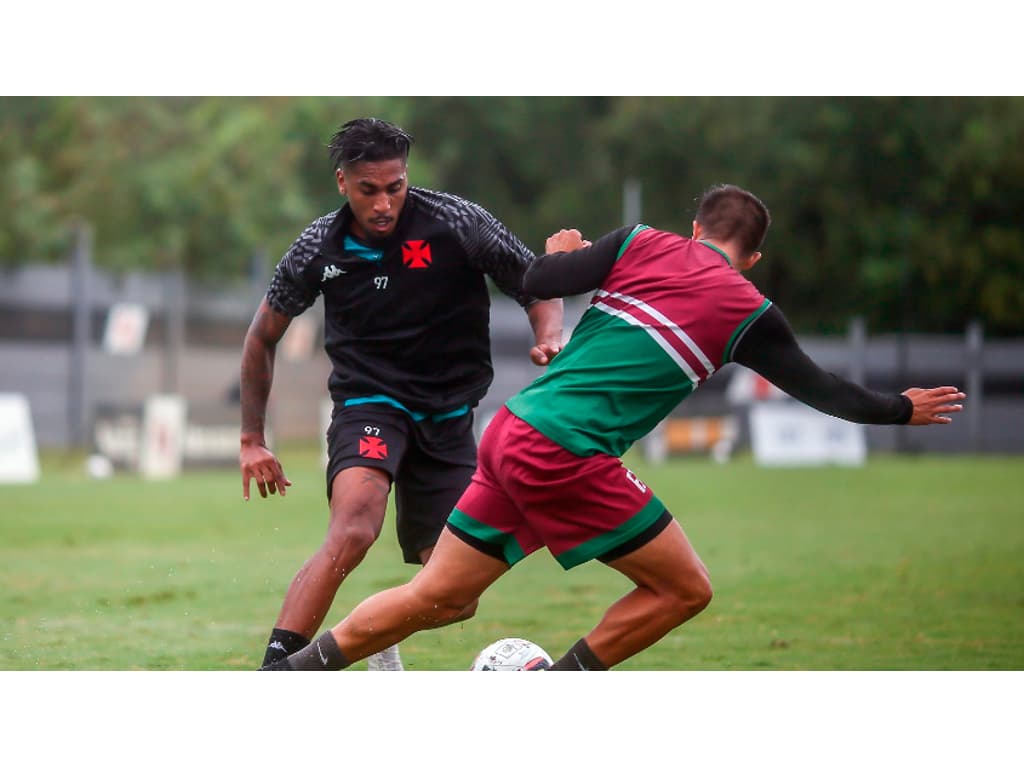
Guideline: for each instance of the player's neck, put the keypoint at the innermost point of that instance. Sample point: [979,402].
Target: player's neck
[730,253]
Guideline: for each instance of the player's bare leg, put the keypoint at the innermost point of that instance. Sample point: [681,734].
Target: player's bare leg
[453,579]
[358,503]
[389,659]
[672,586]
[448,587]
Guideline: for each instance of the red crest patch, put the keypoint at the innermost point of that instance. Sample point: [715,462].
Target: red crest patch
[373,448]
[416,254]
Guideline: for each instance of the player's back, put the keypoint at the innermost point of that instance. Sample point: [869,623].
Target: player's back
[664,319]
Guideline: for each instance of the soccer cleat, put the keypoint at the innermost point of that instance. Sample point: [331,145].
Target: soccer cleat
[281,665]
[387,660]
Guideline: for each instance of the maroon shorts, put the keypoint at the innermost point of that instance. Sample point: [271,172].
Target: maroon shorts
[528,492]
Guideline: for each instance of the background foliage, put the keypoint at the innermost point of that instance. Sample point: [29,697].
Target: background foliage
[905,210]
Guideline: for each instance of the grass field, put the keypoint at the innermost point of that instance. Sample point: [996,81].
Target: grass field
[908,563]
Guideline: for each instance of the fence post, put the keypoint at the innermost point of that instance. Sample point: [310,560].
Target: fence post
[174,317]
[81,332]
[858,350]
[975,383]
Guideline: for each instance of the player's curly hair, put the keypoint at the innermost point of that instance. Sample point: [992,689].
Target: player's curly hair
[368,139]
[729,213]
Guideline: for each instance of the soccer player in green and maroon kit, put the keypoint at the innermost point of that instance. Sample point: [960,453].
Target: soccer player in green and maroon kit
[668,312]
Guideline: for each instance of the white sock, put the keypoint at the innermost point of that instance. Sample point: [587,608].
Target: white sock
[387,660]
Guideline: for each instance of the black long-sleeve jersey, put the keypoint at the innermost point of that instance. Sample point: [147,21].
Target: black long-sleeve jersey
[407,320]
[767,345]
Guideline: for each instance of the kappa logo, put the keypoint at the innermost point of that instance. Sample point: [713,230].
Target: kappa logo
[331,272]
[416,254]
[373,448]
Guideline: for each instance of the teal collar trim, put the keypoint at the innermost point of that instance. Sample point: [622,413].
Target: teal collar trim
[353,246]
[716,248]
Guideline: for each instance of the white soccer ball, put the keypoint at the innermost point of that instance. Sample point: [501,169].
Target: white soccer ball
[511,654]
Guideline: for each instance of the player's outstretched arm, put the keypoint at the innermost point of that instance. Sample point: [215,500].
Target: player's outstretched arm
[256,461]
[932,406]
[770,348]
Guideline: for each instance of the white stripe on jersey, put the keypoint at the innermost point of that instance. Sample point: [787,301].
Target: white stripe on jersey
[653,333]
[669,325]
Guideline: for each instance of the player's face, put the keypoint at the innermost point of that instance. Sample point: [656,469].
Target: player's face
[376,193]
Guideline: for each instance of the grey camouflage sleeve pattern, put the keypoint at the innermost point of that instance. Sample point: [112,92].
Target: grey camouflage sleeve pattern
[490,245]
[289,293]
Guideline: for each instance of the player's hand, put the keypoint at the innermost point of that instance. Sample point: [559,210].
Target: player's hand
[544,353]
[259,464]
[931,405]
[565,240]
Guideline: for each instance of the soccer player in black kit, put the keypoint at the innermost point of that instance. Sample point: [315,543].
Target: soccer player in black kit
[407,316]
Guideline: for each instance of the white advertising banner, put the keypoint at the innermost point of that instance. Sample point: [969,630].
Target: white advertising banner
[19,459]
[791,434]
[163,436]
[125,333]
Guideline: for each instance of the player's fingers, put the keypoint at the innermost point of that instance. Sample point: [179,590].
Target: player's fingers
[249,476]
[542,354]
[279,479]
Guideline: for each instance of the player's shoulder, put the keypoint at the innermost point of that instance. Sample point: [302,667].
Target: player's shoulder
[445,205]
[307,245]
[318,228]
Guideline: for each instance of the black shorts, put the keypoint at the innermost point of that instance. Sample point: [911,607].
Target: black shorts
[429,462]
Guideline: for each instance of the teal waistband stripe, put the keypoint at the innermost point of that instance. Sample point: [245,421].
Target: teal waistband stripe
[416,415]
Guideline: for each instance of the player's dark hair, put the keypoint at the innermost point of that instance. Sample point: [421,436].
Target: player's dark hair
[729,213]
[368,139]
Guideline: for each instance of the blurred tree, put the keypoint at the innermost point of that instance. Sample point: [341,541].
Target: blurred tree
[905,210]
[538,164]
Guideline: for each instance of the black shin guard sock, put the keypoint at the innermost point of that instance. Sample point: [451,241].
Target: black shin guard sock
[281,643]
[323,654]
[579,658]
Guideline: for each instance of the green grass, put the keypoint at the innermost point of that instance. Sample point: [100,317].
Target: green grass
[904,564]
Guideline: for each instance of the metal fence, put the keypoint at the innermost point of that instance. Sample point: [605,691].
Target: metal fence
[53,322]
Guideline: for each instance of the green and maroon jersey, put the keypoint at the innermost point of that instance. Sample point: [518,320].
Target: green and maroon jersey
[666,316]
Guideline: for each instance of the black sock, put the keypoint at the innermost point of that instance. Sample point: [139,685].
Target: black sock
[323,654]
[281,643]
[578,658]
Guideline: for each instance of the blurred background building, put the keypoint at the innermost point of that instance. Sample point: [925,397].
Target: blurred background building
[138,234]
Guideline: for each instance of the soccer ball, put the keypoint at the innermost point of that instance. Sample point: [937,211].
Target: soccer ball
[511,654]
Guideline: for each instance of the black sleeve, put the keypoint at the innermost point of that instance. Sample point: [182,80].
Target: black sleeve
[770,348]
[290,291]
[568,273]
[493,249]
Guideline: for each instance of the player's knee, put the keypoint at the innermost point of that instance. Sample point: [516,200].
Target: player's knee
[453,609]
[468,612]
[441,605]
[350,541]
[701,593]
[690,596]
